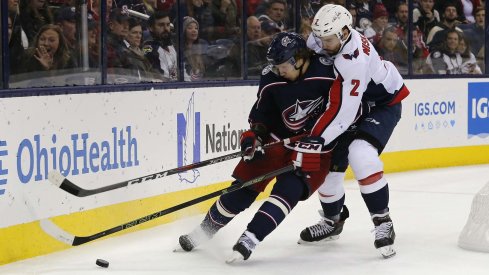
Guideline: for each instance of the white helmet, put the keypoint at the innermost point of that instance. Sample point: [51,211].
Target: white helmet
[331,19]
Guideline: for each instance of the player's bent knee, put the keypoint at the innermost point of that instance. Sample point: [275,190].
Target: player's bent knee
[332,189]
[364,159]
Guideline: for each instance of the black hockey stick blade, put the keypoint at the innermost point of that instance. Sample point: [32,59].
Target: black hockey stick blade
[56,232]
[65,184]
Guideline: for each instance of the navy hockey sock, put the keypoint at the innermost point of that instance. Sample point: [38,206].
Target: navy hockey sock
[332,210]
[378,201]
[285,195]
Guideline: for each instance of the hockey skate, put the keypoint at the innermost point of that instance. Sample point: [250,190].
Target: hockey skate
[190,241]
[384,234]
[325,229]
[244,247]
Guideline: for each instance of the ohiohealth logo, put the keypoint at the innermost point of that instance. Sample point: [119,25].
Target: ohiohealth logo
[478,111]
[188,141]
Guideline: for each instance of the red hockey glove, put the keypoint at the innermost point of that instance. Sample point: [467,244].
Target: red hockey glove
[251,146]
[307,154]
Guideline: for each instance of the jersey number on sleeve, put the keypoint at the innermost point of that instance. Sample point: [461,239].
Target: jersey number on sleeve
[355,83]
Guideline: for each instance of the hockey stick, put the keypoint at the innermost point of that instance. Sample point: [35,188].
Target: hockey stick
[62,182]
[56,232]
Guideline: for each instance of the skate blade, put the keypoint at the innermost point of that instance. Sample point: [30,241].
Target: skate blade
[387,251]
[235,258]
[332,238]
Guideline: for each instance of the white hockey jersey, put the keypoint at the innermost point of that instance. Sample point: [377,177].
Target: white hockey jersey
[356,65]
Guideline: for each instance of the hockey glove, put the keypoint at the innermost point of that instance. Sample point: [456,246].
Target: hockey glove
[307,154]
[251,146]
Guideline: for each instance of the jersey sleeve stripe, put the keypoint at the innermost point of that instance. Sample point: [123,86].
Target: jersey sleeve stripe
[335,99]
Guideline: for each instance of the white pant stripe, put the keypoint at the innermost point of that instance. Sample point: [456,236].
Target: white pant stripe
[223,211]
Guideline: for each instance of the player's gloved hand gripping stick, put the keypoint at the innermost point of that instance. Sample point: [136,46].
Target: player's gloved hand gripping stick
[307,154]
[67,185]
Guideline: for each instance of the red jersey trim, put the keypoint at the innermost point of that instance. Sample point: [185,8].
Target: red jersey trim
[402,94]
[335,99]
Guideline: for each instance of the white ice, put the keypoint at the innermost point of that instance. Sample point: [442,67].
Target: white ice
[429,209]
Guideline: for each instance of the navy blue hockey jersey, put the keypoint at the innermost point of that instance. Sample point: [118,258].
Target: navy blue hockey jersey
[285,107]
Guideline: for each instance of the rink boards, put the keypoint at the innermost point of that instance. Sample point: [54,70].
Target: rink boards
[101,139]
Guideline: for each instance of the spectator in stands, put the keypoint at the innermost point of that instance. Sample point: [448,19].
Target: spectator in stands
[306,10]
[353,11]
[94,9]
[66,19]
[392,48]
[480,59]
[14,14]
[16,49]
[93,44]
[13,5]
[401,23]
[420,52]
[446,59]
[201,11]
[33,15]
[392,7]
[226,19]
[49,52]
[449,22]
[379,24]
[140,66]
[275,12]
[193,50]
[10,25]
[257,50]
[364,11]
[305,28]
[469,63]
[159,50]
[464,8]
[253,28]
[475,32]
[468,8]
[425,17]
[268,30]
[117,46]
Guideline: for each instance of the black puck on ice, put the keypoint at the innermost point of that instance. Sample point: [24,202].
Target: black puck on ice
[102,263]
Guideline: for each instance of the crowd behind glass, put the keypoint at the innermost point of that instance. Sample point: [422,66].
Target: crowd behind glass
[63,42]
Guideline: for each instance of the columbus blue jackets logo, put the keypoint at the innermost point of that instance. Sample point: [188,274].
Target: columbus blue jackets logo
[296,115]
[351,56]
[286,41]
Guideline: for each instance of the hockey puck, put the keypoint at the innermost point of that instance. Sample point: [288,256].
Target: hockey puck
[102,263]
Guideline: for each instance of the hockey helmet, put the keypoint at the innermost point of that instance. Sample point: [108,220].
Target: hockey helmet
[284,47]
[330,20]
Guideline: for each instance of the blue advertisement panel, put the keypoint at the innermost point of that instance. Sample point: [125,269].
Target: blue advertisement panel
[478,110]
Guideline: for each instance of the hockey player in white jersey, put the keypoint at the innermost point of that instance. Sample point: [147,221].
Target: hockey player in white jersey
[357,66]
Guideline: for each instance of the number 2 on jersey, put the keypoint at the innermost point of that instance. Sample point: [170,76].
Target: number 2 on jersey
[355,83]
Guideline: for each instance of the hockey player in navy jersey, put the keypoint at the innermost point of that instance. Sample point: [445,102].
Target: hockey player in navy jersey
[293,92]
[358,68]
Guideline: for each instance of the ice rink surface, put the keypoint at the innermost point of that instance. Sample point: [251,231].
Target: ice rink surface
[429,208]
